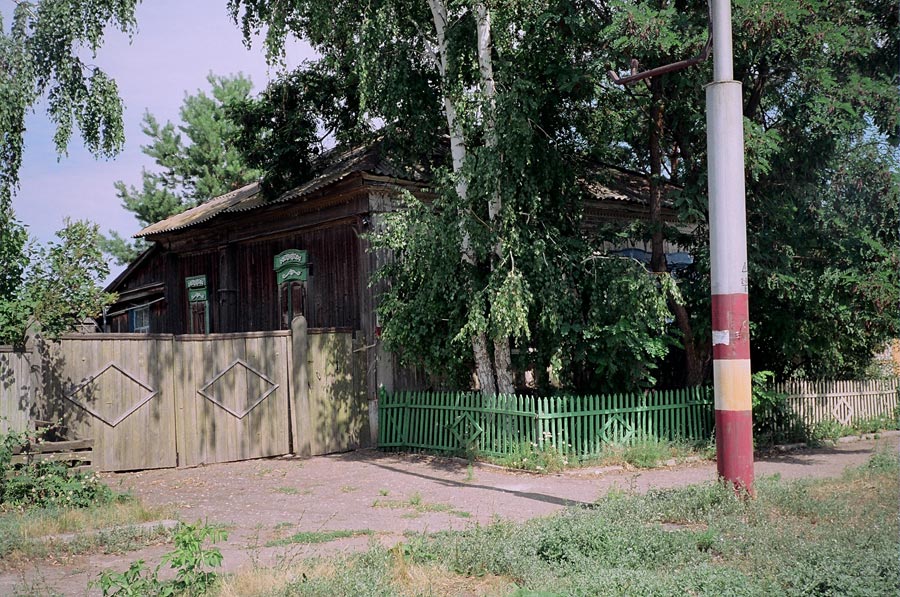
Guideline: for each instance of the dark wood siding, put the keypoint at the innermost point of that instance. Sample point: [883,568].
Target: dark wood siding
[333,286]
[196,264]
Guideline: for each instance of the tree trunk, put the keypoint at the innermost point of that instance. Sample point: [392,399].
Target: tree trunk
[503,366]
[502,357]
[483,366]
[483,369]
[693,374]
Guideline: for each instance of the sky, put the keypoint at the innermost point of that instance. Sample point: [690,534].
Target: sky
[178,43]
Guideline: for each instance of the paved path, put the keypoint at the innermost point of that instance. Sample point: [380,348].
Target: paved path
[263,500]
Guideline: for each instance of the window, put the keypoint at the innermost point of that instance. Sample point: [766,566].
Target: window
[140,319]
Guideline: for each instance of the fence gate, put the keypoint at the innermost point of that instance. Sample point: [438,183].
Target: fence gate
[232,394]
[117,390]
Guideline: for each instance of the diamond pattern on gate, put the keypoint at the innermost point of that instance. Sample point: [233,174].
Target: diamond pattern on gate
[842,412]
[617,429]
[89,394]
[222,390]
[466,429]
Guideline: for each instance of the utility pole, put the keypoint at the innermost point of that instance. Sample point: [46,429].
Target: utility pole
[728,260]
[727,248]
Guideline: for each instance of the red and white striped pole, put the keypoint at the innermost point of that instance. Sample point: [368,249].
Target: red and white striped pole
[728,261]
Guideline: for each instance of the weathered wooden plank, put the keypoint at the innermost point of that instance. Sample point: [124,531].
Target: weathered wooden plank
[17,395]
[62,446]
[232,398]
[113,390]
[338,406]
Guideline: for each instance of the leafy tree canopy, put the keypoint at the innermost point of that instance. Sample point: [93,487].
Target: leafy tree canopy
[195,161]
[42,56]
[55,287]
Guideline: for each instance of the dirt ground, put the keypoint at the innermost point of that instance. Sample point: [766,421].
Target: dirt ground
[261,501]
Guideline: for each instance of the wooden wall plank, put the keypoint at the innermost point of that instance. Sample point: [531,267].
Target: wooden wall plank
[338,404]
[231,423]
[17,395]
[114,391]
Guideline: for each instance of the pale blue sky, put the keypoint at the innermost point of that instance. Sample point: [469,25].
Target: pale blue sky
[178,43]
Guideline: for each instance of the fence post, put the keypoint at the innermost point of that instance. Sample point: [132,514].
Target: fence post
[299,399]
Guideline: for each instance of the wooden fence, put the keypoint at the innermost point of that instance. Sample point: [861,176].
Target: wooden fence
[581,425]
[156,401]
[806,404]
[16,389]
[575,425]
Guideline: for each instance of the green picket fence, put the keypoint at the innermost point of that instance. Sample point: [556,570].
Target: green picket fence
[578,426]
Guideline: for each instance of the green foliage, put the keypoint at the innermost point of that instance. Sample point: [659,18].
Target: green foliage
[544,458]
[45,484]
[58,284]
[52,485]
[278,129]
[820,109]
[194,161]
[44,52]
[191,559]
[774,422]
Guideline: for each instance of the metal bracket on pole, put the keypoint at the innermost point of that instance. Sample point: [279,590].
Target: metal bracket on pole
[661,70]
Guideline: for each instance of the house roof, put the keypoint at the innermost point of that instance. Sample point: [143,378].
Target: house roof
[611,183]
[604,183]
[331,167]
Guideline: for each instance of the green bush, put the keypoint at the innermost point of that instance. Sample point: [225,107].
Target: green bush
[191,559]
[45,484]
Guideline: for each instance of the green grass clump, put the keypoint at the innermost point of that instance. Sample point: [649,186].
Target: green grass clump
[312,537]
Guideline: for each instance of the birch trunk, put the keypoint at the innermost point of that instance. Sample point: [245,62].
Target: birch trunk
[502,356]
[483,367]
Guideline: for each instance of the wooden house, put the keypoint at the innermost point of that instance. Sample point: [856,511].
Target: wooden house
[214,269]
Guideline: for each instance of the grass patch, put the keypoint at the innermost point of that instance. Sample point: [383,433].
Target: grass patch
[312,537]
[419,507]
[814,537]
[647,452]
[109,528]
[287,490]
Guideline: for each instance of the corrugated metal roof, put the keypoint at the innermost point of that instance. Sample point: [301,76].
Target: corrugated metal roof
[332,166]
[203,212]
[609,183]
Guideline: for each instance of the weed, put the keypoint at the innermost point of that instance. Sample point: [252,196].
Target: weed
[827,537]
[545,458]
[191,559]
[827,431]
[348,489]
[287,490]
[383,492]
[419,507]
